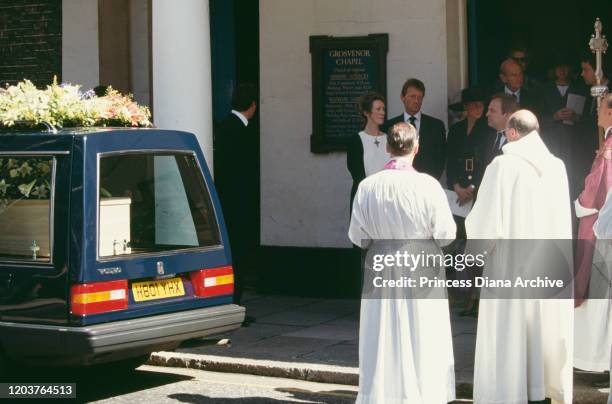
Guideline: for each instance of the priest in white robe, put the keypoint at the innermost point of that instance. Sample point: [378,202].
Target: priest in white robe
[524,347]
[405,345]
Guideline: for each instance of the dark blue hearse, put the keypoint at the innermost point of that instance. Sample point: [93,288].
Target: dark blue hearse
[112,246]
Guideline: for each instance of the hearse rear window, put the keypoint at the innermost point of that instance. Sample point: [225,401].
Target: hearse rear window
[153,202]
[26,190]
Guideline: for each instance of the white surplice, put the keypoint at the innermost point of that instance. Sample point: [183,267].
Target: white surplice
[593,318]
[405,345]
[524,348]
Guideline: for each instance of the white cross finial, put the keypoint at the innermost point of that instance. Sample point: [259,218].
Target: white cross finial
[34,248]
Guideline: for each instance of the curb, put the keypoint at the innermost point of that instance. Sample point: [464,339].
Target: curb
[289,370]
[329,374]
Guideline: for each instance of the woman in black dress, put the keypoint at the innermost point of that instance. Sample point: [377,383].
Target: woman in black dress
[466,154]
[465,166]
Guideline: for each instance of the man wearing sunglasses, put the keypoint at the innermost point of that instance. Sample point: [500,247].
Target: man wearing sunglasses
[519,54]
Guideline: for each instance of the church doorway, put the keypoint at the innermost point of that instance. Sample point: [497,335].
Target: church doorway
[545,27]
[234,27]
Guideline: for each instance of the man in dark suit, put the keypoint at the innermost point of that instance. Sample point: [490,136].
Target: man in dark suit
[587,64]
[234,142]
[558,122]
[501,106]
[519,53]
[554,95]
[586,141]
[432,134]
[513,83]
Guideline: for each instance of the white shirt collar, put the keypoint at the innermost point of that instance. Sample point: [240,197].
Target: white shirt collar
[510,92]
[563,89]
[407,116]
[241,117]
[608,131]
[502,139]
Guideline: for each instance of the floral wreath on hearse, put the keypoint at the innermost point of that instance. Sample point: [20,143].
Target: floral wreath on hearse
[26,108]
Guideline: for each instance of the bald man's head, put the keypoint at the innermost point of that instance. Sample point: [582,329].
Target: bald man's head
[521,123]
[511,74]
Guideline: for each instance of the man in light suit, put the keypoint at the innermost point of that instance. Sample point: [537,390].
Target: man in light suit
[432,134]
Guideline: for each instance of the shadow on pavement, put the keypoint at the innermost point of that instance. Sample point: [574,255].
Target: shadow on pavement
[93,384]
[198,399]
[304,396]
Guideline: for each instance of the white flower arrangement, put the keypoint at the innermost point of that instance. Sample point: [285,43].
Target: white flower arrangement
[23,106]
[66,105]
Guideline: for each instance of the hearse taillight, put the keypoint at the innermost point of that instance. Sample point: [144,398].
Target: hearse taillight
[213,281]
[99,297]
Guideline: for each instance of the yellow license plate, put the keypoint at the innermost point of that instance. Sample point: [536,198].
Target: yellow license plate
[161,289]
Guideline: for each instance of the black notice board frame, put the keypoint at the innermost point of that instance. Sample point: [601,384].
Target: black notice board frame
[320,141]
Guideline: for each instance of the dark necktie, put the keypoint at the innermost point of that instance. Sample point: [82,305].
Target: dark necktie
[513,94]
[498,141]
[412,121]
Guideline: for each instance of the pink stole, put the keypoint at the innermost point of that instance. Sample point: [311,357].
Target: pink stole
[397,164]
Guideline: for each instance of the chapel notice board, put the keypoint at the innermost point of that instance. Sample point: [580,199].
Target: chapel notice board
[343,69]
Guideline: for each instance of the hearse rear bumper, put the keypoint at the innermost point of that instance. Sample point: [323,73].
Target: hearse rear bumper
[60,345]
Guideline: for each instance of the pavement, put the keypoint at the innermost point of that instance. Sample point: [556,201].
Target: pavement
[316,340]
[160,385]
